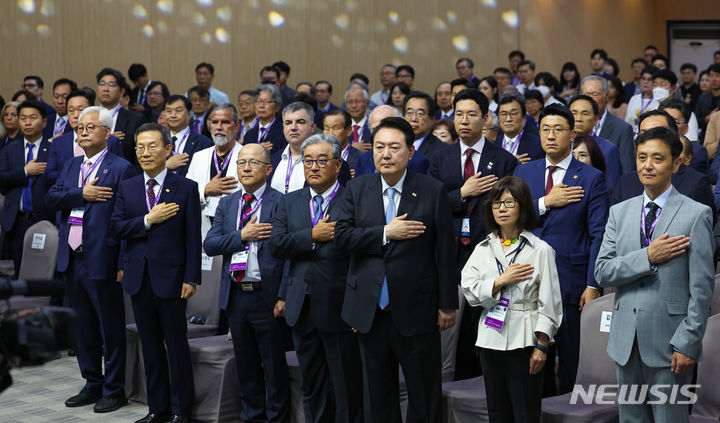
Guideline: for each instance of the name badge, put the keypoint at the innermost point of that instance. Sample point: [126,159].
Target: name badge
[239,259]
[496,315]
[465,229]
[76,216]
[211,206]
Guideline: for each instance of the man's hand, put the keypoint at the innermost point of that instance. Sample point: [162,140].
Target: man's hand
[446,319]
[178,160]
[399,228]
[96,194]
[120,135]
[120,275]
[588,295]
[324,231]
[681,364]
[34,167]
[561,195]
[362,146]
[663,249]
[267,145]
[220,186]
[516,272]
[162,212]
[279,308]
[255,231]
[188,290]
[523,158]
[477,185]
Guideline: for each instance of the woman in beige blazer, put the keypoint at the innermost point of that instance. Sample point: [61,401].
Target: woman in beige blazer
[512,274]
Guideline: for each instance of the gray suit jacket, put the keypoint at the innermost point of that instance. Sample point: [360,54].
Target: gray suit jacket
[665,308]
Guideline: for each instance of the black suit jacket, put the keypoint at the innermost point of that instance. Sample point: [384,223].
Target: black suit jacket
[195,142]
[314,267]
[529,144]
[620,133]
[128,122]
[432,145]
[703,107]
[275,135]
[420,271]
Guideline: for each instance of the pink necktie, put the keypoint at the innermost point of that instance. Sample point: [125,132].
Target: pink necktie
[78,150]
[75,234]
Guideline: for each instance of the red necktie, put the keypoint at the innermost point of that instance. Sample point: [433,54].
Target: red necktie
[238,275]
[549,183]
[356,133]
[468,171]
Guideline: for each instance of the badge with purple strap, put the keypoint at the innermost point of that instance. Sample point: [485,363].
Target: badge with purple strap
[239,259]
[496,316]
[76,216]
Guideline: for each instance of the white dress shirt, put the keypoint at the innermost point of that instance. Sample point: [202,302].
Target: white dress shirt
[386,198]
[94,172]
[252,270]
[361,125]
[182,137]
[660,200]
[478,147]
[522,87]
[418,142]
[114,112]
[557,178]
[160,179]
[297,177]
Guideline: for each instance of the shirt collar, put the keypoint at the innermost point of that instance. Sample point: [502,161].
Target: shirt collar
[159,178]
[398,186]
[660,200]
[564,163]
[146,86]
[180,134]
[286,154]
[326,194]
[257,194]
[478,147]
[418,142]
[361,123]
[95,157]
[36,143]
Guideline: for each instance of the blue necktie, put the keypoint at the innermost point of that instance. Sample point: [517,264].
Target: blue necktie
[318,199]
[384,299]
[27,190]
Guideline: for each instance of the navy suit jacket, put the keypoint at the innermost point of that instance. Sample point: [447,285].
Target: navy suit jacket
[224,238]
[49,128]
[700,158]
[13,180]
[420,271]
[62,151]
[575,231]
[366,164]
[431,146]
[529,144]
[353,157]
[275,135]
[620,133]
[447,168]
[128,122]
[344,176]
[314,267]
[613,166]
[100,249]
[195,142]
[170,252]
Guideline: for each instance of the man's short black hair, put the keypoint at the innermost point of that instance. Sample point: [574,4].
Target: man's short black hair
[399,124]
[593,103]
[119,78]
[666,135]
[175,97]
[639,60]
[33,104]
[517,53]
[558,110]
[251,93]
[462,81]
[534,95]
[91,94]
[406,68]
[360,76]
[339,112]
[207,66]
[81,93]
[504,70]
[601,52]
[200,91]
[690,66]
[715,67]
[136,70]
[152,126]
[324,82]
[465,59]
[650,46]
[667,75]
[37,80]
[680,105]
[270,69]
[649,69]
[510,98]
[431,106]
[475,95]
[657,112]
[661,57]
[527,63]
[63,81]
[282,66]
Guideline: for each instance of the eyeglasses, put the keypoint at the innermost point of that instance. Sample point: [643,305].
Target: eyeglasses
[8,114]
[418,113]
[513,114]
[245,103]
[558,130]
[151,149]
[90,128]
[509,203]
[253,163]
[265,102]
[308,163]
[110,84]
[355,102]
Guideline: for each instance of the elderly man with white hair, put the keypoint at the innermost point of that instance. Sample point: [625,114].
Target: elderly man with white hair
[357,103]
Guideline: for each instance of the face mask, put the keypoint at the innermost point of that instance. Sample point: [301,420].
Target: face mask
[545,91]
[660,93]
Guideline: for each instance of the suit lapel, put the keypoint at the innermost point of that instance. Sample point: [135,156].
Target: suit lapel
[302,206]
[631,217]
[167,191]
[672,206]
[573,177]
[104,169]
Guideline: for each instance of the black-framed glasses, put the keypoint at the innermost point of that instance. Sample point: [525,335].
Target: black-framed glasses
[253,163]
[509,203]
[308,163]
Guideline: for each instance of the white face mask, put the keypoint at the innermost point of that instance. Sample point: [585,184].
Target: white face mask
[660,93]
[545,91]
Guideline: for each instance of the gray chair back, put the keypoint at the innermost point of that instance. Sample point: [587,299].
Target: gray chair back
[715,301]
[595,365]
[39,258]
[205,301]
[708,371]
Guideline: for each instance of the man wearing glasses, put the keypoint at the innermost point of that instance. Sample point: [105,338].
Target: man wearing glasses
[419,110]
[124,122]
[268,131]
[515,139]
[572,202]
[249,287]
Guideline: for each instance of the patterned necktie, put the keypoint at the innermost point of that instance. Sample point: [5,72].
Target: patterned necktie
[59,126]
[468,171]
[75,234]
[650,216]
[238,275]
[150,192]
[549,183]
[174,147]
[27,190]
[384,298]
[318,200]
[356,134]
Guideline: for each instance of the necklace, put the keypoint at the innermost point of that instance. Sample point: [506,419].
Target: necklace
[508,241]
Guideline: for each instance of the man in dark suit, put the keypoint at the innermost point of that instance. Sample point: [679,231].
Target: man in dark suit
[88,256]
[269,130]
[157,215]
[22,179]
[515,138]
[681,113]
[323,92]
[59,125]
[35,85]
[185,141]
[357,103]
[138,74]
[338,122]
[419,110]
[311,294]
[609,126]
[469,169]
[249,287]
[710,101]
[65,147]
[125,122]
[401,286]
[572,203]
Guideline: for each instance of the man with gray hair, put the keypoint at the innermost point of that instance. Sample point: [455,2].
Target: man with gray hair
[609,126]
[298,124]
[387,79]
[84,195]
[357,103]
[269,130]
[311,296]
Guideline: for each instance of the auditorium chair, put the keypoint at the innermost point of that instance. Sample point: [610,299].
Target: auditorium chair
[38,261]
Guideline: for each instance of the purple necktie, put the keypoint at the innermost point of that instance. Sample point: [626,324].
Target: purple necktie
[59,126]
[150,193]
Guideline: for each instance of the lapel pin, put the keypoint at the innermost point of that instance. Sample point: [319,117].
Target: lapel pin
[490,165]
[167,189]
[574,176]
[105,171]
[413,194]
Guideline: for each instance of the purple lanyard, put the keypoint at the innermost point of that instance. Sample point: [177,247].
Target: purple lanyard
[182,142]
[514,148]
[644,106]
[115,112]
[227,160]
[316,219]
[344,155]
[241,219]
[596,129]
[261,137]
[83,176]
[249,126]
[157,198]
[289,171]
[646,237]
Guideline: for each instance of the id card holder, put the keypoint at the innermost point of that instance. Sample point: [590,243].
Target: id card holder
[495,317]
[239,259]
[76,216]
[465,228]
[211,206]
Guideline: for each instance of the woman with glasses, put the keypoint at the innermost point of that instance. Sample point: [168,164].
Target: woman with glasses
[512,275]
[586,150]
